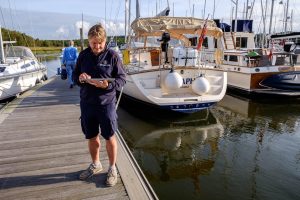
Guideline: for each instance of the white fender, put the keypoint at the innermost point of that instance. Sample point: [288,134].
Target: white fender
[200,85]
[173,81]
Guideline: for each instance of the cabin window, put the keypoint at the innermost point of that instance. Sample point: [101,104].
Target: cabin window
[233,58]
[296,59]
[216,43]
[205,42]
[241,42]
[225,57]
[193,41]
[25,66]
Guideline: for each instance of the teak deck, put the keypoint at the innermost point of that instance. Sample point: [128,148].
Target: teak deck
[42,151]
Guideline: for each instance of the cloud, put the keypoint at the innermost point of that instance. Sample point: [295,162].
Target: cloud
[86,25]
[62,32]
[113,28]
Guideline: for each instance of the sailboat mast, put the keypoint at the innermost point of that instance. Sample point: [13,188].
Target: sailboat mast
[204,9]
[127,19]
[214,8]
[126,14]
[247,3]
[271,16]
[81,34]
[286,15]
[193,12]
[292,21]
[251,11]
[138,14]
[236,8]
[105,15]
[173,9]
[2,57]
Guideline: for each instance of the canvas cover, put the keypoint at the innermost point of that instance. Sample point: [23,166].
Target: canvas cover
[176,26]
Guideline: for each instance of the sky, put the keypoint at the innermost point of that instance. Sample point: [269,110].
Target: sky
[61,19]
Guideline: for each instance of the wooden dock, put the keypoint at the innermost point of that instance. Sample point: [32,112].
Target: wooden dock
[42,151]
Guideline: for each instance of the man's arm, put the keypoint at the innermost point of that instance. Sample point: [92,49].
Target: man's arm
[118,74]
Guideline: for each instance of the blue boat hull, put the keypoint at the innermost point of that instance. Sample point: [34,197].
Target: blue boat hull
[283,81]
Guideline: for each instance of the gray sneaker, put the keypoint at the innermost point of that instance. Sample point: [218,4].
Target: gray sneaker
[90,171]
[111,179]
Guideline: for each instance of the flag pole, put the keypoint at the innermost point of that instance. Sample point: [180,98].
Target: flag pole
[200,42]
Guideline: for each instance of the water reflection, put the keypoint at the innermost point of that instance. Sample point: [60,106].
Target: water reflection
[240,149]
[243,115]
[174,147]
[182,150]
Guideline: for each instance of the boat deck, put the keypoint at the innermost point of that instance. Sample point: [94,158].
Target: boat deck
[42,151]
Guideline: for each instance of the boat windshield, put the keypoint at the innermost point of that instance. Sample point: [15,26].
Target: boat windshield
[17,51]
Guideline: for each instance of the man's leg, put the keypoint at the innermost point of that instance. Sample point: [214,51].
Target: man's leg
[69,75]
[111,147]
[94,148]
[95,167]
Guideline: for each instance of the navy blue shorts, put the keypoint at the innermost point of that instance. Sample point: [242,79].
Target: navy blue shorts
[93,116]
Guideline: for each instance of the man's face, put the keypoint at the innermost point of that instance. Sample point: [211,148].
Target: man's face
[97,45]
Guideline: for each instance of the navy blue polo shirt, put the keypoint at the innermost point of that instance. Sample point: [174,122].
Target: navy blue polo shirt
[105,65]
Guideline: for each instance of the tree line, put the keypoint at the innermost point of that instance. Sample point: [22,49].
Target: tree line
[25,40]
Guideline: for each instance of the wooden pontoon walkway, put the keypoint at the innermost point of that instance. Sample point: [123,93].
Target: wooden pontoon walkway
[42,151]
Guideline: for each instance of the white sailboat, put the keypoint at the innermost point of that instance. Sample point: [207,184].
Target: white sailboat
[163,65]
[19,70]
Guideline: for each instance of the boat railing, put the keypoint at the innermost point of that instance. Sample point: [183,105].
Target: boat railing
[148,58]
[241,59]
[285,58]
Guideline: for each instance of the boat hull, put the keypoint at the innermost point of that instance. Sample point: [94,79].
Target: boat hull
[184,108]
[13,84]
[249,83]
[148,88]
[284,81]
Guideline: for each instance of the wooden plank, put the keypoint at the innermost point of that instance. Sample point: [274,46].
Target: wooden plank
[41,149]
[38,142]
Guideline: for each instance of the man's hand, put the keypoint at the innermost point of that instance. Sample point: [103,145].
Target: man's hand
[99,84]
[84,77]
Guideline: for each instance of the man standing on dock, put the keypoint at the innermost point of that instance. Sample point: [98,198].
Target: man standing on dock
[99,73]
[69,60]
